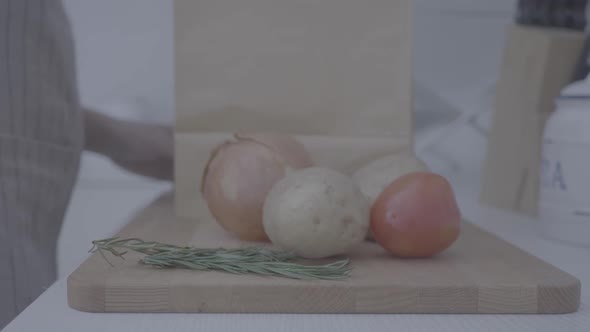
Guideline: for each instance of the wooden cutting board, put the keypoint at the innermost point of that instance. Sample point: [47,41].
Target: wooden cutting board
[479,274]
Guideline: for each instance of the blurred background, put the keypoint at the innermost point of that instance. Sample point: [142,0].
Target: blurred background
[125,69]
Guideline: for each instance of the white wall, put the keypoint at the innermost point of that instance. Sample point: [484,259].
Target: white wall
[125,52]
[458,43]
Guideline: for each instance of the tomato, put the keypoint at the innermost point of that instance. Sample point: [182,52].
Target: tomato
[416,216]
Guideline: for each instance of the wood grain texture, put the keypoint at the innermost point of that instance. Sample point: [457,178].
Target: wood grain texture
[331,67]
[537,64]
[479,274]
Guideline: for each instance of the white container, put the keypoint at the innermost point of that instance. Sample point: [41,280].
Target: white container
[564,197]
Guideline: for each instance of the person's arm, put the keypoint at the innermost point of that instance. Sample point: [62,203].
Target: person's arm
[96,126]
[145,149]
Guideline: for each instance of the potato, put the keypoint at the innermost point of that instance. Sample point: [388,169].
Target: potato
[316,212]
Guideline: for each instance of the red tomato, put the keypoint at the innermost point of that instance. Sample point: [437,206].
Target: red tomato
[416,216]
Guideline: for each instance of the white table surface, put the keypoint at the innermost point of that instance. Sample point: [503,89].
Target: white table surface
[50,311]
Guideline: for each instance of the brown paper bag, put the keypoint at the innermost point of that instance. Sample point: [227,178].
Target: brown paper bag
[334,73]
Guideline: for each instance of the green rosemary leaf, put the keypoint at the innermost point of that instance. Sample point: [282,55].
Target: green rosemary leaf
[250,260]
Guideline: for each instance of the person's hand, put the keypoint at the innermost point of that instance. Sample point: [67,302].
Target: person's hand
[144,149]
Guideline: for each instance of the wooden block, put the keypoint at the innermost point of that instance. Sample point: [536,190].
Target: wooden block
[330,67]
[537,64]
[480,273]
[531,155]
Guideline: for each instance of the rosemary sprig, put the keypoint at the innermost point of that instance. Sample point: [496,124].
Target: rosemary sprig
[250,260]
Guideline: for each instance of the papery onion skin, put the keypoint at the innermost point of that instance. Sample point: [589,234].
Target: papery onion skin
[240,174]
[291,150]
[375,176]
[416,216]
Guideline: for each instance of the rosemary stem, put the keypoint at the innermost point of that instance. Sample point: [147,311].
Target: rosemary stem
[250,260]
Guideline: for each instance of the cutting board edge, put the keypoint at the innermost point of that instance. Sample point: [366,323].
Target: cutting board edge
[567,291]
[88,295]
[568,295]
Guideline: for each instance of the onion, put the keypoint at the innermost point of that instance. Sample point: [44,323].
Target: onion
[376,175]
[240,174]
